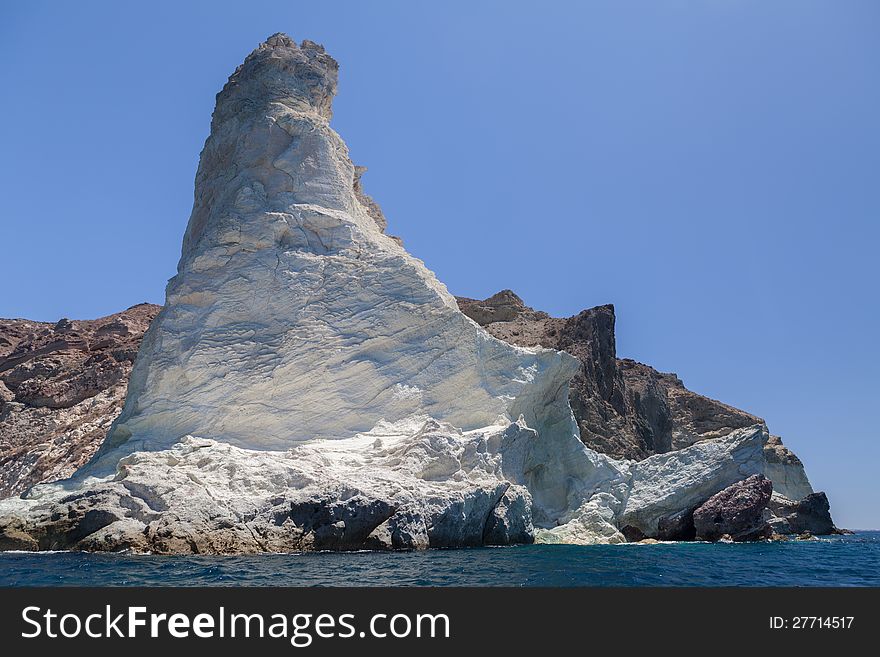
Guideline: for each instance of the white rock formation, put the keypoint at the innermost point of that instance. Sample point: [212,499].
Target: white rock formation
[785,470]
[309,384]
[666,484]
[292,316]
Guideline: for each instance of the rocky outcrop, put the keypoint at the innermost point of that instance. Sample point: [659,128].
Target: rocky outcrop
[309,385]
[293,316]
[61,387]
[667,487]
[811,515]
[656,514]
[736,512]
[383,490]
[510,522]
[630,410]
[367,202]
[785,470]
[623,408]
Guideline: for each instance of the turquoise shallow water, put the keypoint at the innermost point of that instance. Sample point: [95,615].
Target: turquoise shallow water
[834,561]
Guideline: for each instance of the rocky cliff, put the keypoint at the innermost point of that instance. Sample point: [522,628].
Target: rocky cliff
[624,408]
[61,387]
[308,384]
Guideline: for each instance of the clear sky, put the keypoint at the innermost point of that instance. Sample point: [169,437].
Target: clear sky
[711,168]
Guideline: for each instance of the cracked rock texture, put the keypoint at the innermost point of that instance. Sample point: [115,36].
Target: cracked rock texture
[666,485]
[61,386]
[310,385]
[292,315]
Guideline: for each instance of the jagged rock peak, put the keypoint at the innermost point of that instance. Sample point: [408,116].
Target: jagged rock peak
[270,138]
[622,407]
[292,316]
[303,77]
[503,306]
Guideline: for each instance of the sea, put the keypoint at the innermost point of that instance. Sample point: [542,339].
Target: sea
[852,560]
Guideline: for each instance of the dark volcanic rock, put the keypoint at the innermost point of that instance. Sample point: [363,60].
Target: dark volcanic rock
[632,534]
[330,524]
[623,408]
[61,386]
[811,514]
[737,511]
[677,527]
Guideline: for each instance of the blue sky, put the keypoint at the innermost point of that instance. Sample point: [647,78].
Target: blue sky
[711,168]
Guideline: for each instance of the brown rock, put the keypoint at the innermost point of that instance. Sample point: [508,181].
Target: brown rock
[373,209]
[61,386]
[737,512]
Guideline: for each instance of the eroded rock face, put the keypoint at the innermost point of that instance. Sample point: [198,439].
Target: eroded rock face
[737,511]
[630,410]
[382,490]
[61,387]
[623,408]
[509,522]
[310,385]
[292,315]
[785,470]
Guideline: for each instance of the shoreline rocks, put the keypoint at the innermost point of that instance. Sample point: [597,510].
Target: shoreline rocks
[310,385]
[811,514]
[737,512]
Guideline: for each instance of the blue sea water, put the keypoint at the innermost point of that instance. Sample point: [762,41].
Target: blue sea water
[833,561]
